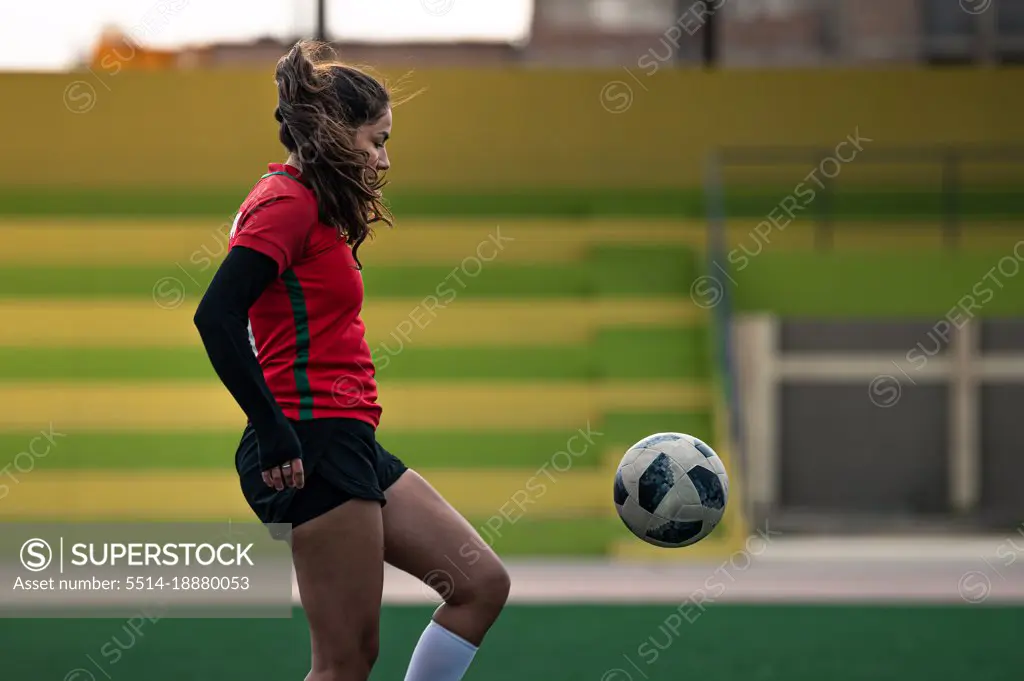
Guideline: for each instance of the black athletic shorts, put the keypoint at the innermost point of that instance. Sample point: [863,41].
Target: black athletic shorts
[341,459]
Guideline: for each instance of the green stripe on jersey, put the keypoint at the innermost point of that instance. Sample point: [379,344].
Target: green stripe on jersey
[281,172]
[301,318]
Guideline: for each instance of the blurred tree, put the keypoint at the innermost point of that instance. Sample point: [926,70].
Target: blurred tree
[117,51]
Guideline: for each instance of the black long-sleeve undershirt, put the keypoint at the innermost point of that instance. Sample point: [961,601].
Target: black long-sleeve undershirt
[222,319]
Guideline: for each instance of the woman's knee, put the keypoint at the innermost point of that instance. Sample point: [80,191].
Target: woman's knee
[487,586]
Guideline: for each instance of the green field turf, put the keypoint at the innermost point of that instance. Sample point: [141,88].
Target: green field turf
[558,643]
[740,201]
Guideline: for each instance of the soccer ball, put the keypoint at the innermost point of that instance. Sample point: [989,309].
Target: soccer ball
[671,490]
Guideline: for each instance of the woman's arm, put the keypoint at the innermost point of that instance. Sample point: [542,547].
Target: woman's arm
[222,319]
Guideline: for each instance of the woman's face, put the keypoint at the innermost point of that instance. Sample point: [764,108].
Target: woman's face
[372,137]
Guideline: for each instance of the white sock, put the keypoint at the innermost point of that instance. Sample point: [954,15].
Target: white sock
[440,655]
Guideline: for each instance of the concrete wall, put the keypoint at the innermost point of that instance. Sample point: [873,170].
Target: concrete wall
[490,128]
[873,424]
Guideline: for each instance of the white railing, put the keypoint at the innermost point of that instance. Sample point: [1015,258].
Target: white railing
[762,370]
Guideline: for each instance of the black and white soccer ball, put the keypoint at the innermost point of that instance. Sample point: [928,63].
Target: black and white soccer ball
[671,490]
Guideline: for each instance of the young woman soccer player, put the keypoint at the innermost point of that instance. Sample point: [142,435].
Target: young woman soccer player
[309,457]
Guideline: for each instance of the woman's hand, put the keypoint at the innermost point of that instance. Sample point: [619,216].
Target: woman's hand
[281,457]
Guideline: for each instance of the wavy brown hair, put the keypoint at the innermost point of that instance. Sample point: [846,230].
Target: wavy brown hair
[321,104]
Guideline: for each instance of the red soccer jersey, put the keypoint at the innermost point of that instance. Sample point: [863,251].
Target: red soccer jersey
[305,328]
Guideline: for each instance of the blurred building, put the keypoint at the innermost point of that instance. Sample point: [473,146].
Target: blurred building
[742,33]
